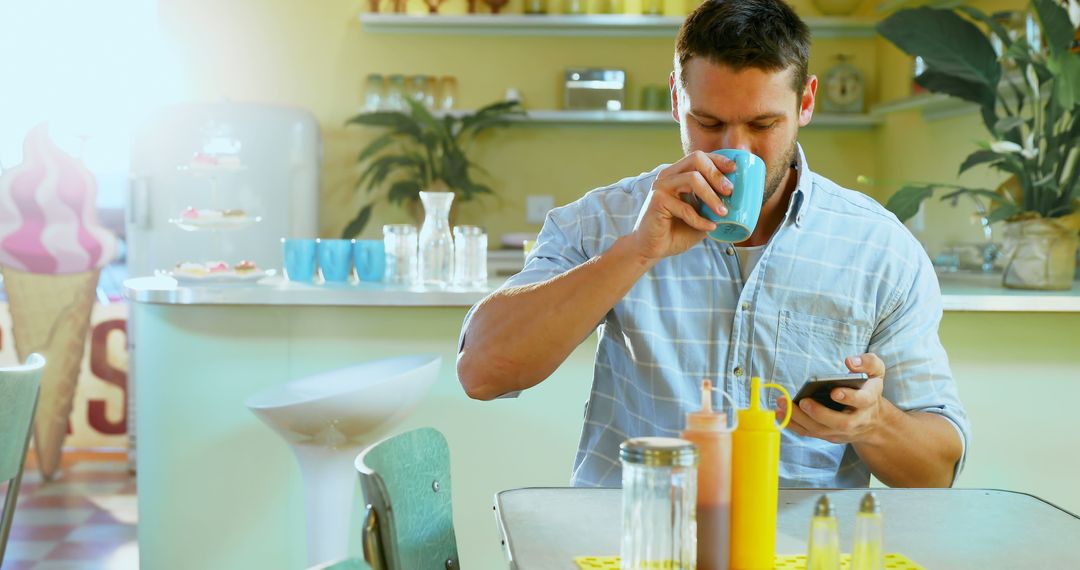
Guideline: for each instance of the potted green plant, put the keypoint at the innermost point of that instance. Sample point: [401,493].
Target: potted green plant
[1032,115]
[420,151]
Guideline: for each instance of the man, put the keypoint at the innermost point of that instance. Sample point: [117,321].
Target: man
[829,279]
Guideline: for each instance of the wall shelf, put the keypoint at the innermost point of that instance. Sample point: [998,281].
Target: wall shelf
[663,118]
[934,106]
[574,25]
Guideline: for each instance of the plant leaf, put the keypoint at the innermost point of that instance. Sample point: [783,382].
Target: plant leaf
[905,202]
[1006,124]
[995,27]
[357,224]
[1002,212]
[1067,81]
[969,91]
[1056,27]
[976,158]
[949,44]
[374,147]
[989,194]
[403,191]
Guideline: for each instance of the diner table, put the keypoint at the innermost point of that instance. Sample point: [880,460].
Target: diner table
[952,529]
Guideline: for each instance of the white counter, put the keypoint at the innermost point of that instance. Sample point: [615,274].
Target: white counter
[964,291]
[278,291]
[960,292]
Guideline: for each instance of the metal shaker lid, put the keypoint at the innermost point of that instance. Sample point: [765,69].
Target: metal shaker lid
[659,452]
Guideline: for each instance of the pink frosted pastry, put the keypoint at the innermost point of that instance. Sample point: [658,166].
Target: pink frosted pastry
[217,267]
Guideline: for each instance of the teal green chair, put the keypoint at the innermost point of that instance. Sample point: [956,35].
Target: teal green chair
[409,522]
[18,399]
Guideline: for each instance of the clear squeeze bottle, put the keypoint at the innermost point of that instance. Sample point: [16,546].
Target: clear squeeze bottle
[755,480]
[708,430]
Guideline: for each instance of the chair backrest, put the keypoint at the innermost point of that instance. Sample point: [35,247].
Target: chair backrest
[18,399]
[406,482]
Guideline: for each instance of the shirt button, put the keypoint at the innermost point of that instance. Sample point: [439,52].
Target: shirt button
[738,371]
[746,306]
[730,250]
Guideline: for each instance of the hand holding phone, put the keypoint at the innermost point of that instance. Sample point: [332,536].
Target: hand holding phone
[819,388]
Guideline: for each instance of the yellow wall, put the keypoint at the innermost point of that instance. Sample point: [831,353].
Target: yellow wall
[314,55]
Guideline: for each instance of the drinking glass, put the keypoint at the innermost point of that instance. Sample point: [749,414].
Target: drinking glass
[470,257]
[399,242]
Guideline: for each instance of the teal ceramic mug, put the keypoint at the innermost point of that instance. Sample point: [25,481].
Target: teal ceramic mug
[744,204]
[335,259]
[369,257]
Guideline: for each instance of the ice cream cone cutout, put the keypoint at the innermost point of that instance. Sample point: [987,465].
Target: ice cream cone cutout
[52,248]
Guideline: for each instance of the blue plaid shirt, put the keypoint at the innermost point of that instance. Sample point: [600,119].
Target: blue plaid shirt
[840,277]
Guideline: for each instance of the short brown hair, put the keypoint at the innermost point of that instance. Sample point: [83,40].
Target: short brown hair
[760,34]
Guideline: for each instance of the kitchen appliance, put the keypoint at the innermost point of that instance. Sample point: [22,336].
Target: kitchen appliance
[595,89]
[258,162]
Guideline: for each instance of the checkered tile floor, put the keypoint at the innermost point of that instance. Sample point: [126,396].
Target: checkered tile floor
[84,519]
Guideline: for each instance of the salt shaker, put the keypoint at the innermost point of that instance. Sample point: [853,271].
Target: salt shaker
[823,548]
[659,480]
[866,552]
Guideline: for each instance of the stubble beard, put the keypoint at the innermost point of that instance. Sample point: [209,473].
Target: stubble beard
[774,174]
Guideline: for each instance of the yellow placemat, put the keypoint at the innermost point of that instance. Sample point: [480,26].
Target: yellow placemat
[893,561]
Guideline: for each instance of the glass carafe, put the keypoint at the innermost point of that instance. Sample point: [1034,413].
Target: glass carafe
[436,268]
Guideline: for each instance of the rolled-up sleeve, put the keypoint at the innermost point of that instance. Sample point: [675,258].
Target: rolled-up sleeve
[917,376]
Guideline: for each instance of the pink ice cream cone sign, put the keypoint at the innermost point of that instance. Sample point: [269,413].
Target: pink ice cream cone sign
[52,248]
[48,212]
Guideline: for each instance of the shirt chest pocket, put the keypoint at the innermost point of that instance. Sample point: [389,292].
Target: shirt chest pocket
[811,345]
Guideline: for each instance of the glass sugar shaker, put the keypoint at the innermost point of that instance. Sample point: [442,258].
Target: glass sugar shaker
[659,497]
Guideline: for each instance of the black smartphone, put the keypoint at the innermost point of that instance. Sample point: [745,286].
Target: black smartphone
[819,388]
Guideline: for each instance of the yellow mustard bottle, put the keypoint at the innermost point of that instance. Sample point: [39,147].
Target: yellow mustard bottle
[755,480]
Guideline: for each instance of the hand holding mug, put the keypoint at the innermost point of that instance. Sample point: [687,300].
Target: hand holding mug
[668,224]
[743,204]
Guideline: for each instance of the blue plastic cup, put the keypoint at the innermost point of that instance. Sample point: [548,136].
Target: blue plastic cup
[335,259]
[744,204]
[299,259]
[369,256]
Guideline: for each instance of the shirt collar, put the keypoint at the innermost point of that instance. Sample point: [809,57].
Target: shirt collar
[797,206]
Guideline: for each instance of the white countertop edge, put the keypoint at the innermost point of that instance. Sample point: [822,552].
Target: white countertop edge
[1029,303]
[962,297]
[279,292]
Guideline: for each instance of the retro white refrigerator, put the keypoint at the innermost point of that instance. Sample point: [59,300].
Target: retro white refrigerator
[257,163]
[261,161]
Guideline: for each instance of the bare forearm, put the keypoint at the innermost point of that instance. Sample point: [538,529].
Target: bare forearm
[916,449]
[519,336]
